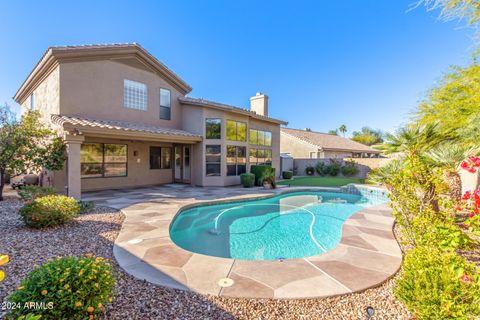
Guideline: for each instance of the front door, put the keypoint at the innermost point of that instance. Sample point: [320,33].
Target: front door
[182,169]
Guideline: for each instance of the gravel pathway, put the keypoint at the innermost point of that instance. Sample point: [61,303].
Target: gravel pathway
[136,299]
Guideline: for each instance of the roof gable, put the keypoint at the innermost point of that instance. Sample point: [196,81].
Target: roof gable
[131,54]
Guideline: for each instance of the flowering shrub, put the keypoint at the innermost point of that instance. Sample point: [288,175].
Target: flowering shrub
[76,288]
[437,284]
[49,211]
[3,260]
[471,199]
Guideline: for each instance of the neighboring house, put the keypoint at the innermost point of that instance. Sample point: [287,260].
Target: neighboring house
[304,144]
[127,122]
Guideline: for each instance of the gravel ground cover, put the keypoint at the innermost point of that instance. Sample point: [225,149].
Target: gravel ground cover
[95,233]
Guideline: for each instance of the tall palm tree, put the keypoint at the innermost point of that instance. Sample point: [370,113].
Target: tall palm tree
[448,157]
[343,129]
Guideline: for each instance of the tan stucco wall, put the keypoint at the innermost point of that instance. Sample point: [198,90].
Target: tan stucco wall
[296,147]
[139,172]
[47,96]
[95,89]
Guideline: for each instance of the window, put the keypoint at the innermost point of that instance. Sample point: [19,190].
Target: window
[165,110]
[236,130]
[213,128]
[32,102]
[314,154]
[160,158]
[102,160]
[260,138]
[260,156]
[236,160]
[213,159]
[135,95]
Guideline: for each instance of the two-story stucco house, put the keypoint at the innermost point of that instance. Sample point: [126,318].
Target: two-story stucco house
[127,122]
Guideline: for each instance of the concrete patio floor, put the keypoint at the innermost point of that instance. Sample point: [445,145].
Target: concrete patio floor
[367,255]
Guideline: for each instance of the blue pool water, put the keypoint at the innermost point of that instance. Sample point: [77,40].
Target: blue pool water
[287,226]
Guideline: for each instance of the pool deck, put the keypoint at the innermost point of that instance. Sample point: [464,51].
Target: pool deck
[367,255]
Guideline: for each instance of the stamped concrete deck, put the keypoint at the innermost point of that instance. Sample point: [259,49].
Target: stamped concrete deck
[367,255]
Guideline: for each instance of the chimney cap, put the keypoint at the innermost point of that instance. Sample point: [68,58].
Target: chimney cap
[259,93]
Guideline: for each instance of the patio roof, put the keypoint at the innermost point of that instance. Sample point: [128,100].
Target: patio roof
[89,125]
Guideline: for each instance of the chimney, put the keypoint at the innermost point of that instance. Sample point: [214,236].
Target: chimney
[259,104]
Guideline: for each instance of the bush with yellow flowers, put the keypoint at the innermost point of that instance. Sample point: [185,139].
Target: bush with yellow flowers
[3,260]
[49,211]
[74,288]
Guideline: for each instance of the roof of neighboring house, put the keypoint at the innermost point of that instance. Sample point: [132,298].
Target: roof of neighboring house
[329,142]
[221,106]
[57,54]
[82,122]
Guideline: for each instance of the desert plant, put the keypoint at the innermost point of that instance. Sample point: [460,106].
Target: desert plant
[287,175]
[49,211]
[349,169]
[247,180]
[310,171]
[77,287]
[86,206]
[270,180]
[382,175]
[321,168]
[260,172]
[435,284]
[29,193]
[448,157]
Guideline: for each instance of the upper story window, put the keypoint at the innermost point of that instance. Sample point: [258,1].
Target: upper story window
[236,130]
[135,95]
[260,138]
[213,128]
[32,102]
[165,109]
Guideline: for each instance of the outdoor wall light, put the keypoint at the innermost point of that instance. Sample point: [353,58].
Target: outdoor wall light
[135,153]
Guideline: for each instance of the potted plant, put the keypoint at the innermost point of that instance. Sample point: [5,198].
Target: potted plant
[269,182]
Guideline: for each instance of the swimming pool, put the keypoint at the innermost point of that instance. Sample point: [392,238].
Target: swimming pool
[287,226]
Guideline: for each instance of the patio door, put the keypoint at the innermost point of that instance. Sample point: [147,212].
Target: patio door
[182,167]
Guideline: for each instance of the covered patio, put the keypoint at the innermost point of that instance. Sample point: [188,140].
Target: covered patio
[105,154]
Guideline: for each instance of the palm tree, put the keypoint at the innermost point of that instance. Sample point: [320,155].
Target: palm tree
[343,129]
[383,174]
[412,140]
[448,157]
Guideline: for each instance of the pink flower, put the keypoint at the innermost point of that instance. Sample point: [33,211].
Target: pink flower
[467,195]
[471,214]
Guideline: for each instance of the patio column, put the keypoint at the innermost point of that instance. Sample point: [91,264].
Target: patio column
[74,183]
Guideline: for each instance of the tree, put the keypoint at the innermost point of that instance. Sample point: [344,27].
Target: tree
[456,9]
[334,132]
[27,146]
[455,105]
[368,136]
[343,129]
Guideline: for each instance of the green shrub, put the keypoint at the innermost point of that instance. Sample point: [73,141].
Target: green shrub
[287,175]
[334,168]
[321,168]
[86,206]
[349,169]
[260,172]
[77,287]
[247,179]
[49,211]
[436,284]
[29,193]
[270,180]
[310,171]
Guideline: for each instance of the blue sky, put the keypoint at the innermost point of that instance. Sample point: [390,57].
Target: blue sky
[323,63]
